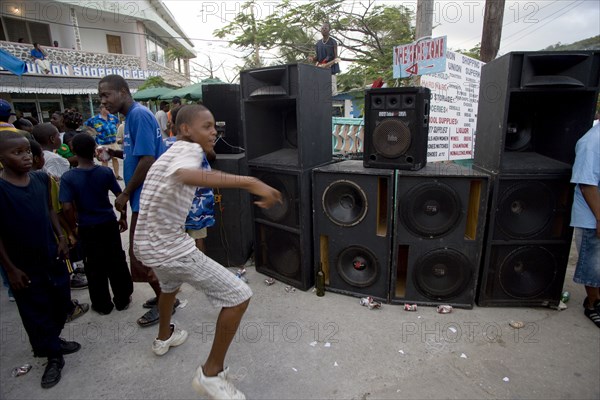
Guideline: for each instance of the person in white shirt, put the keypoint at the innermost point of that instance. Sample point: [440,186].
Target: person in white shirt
[49,138]
[163,119]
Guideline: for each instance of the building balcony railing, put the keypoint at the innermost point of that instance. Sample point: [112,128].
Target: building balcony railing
[85,63]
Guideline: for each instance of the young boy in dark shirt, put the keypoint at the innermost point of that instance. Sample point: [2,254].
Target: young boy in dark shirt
[85,189]
[32,246]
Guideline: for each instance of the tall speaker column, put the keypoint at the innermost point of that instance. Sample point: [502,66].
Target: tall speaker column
[287,129]
[533,107]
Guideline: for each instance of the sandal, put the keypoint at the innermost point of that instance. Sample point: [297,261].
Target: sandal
[153,302]
[592,314]
[152,315]
[150,302]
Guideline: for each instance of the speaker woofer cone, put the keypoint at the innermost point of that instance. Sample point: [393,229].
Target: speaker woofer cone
[517,139]
[442,274]
[431,209]
[279,211]
[527,272]
[344,203]
[525,209]
[391,138]
[358,266]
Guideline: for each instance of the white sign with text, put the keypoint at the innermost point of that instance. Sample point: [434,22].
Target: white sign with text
[453,114]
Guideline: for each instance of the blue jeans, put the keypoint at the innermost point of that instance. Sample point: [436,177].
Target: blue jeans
[587,271]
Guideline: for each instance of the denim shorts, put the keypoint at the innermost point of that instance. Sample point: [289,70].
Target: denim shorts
[587,271]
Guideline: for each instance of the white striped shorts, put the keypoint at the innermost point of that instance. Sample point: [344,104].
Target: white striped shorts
[220,285]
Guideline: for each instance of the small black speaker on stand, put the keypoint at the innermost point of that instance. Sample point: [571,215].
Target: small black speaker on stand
[396,128]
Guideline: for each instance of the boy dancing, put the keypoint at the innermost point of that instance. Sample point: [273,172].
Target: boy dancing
[161,243]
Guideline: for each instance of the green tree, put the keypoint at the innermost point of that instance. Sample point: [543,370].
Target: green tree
[474,52]
[366,33]
[152,82]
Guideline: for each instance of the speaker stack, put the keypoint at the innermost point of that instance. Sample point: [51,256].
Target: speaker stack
[353,227]
[287,127]
[438,236]
[533,107]
[224,101]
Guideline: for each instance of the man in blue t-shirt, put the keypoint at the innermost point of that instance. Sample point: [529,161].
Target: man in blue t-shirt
[142,145]
[585,218]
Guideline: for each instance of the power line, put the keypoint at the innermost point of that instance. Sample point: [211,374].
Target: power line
[506,24]
[572,5]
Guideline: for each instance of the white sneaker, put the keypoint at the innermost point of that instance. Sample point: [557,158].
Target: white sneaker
[178,336]
[216,387]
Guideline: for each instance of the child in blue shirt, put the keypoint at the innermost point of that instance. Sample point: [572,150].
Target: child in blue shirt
[85,189]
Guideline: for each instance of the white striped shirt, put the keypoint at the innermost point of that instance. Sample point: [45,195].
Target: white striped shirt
[164,205]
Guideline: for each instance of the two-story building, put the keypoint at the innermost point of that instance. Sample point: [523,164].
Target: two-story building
[85,40]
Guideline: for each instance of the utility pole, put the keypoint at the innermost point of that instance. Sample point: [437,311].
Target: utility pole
[424,27]
[492,29]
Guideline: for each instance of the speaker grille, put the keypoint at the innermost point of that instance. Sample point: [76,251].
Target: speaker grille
[442,274]
[358,266]
[431,209]
[283,253]
[345,203]
[525,209]
[527,272]
[391,138]
[286,212]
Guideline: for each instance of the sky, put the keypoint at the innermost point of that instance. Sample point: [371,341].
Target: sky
[528,25]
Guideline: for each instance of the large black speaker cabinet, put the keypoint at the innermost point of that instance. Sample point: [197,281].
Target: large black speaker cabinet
[224,101]
[353,214]
[438,238]
[535,102]
[229,241]
[396,128]
[287,116]
[528,236]
[283,233]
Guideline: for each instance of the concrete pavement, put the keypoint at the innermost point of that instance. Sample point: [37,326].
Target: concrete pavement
[297,345]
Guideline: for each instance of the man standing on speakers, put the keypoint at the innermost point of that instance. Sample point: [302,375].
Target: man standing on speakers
[327,55]
[585,218]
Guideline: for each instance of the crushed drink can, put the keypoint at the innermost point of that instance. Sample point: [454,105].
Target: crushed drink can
[565,297]
[22,370]
[370,303]
[240,274]
[444,309]
[410,307]
[269,281]
[290,289]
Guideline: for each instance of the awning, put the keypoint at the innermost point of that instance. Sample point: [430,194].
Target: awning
[53,85]
[191,92]
[150,93]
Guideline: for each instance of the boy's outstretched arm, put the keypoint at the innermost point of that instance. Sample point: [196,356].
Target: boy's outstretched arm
[218,179]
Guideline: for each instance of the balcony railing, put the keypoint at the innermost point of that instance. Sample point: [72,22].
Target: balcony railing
[77,58]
